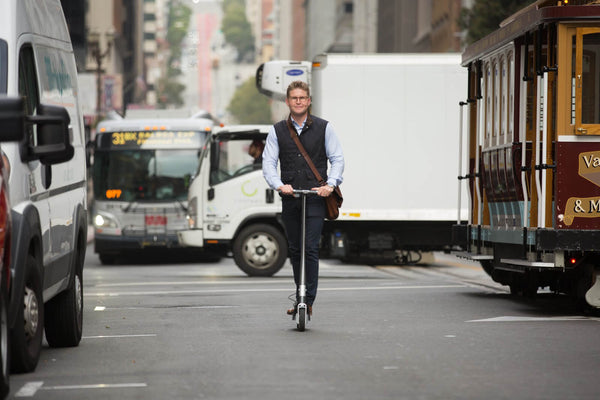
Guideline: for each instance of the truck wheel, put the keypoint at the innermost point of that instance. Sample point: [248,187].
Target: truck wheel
[26,336]
[64,313]
[4,382]
[260,250]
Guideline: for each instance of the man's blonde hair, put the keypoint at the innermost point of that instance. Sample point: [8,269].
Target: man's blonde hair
[298,85]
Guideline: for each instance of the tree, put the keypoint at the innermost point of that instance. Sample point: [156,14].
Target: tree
[170,93]
[248,106]
[486,15]
[236,28]
[169,89]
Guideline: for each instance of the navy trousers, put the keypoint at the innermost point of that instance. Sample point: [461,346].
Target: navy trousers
[292,219]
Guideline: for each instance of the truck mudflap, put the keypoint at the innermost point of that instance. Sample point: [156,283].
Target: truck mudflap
[192,238]
[592,296]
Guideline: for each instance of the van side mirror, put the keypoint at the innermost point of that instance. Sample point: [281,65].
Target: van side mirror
[12,119]
[53,139]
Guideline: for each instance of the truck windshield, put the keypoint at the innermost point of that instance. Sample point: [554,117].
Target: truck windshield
[144,175]
[233,158]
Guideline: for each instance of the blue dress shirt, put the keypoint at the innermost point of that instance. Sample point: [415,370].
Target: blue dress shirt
[333,150]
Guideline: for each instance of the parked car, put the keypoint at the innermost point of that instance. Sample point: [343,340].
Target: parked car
[5,227]
[6,134]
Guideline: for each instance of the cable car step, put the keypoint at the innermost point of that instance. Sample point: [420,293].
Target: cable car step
[471,256]
[527,263]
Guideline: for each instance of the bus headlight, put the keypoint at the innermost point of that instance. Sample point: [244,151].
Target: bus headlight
[192,212]
[104,221]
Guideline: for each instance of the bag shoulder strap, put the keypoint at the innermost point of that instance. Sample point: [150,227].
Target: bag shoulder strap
[296,140]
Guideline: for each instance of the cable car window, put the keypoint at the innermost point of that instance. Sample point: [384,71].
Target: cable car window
[573,81]
[590,90]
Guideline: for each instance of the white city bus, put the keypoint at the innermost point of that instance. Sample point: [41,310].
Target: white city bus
[141,172]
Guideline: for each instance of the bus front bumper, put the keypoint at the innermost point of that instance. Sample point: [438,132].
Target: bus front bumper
[115,244]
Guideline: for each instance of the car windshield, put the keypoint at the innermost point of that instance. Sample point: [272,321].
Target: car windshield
[144,175]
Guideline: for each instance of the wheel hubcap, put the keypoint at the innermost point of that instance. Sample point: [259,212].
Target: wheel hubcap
[260,250]
[78,298]
[30,313]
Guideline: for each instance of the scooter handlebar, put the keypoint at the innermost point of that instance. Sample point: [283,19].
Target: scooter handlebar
[298,192]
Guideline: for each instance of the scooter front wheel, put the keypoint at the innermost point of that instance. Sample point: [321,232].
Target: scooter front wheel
[301,319]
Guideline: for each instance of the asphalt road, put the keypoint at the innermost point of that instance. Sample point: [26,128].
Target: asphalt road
[160,329]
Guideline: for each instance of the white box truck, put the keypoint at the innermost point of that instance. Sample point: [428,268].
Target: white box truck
[231,209]
[396,116]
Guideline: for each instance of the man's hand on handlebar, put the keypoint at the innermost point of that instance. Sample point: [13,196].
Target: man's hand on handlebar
[286,189]
[322,191]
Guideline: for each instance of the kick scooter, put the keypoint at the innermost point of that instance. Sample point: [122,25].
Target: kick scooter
[302,308]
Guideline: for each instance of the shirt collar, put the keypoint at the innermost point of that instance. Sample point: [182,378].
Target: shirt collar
[307,121]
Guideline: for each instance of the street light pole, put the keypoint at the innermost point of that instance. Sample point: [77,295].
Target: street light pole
[98,56]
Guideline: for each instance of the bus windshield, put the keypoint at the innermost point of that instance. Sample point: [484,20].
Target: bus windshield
[144,175]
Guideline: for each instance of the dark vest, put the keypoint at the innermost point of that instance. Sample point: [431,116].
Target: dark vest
[294,169]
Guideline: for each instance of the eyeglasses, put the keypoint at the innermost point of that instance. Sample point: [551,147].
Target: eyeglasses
[297,99]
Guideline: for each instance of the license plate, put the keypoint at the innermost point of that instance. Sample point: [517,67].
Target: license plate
[156,220]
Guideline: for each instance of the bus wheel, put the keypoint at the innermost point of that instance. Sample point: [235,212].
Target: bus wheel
[260,250]
[107,259]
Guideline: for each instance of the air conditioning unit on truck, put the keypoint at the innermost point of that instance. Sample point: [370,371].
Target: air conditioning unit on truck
[231,209]
[396,117]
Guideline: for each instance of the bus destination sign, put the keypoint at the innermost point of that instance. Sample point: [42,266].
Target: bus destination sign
[153,139]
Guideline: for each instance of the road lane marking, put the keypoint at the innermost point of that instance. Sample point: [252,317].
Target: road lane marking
[209,291]
[96,386]
[161,307]
[535,319]
[126,284]
[120,336]
[395,287]
[29,389]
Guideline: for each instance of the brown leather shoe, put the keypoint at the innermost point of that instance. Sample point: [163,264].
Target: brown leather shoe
[309,310]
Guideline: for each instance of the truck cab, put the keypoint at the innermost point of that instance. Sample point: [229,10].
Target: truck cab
[231,209]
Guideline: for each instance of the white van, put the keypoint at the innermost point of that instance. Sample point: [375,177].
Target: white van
[47,178]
